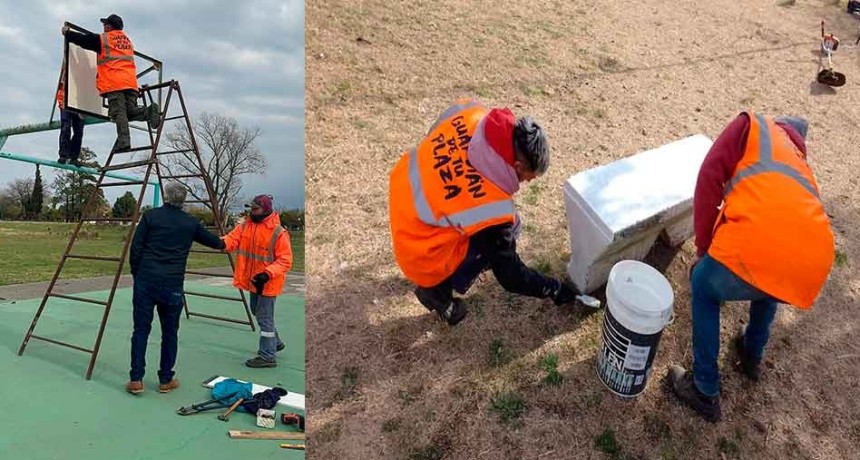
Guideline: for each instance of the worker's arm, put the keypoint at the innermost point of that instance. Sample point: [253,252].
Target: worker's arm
[88,41]
[207,238]
[137,243]
[716,171]
[232,239]
[498,244]
[283,256]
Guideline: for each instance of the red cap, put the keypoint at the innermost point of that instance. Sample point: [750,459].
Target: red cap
[261,201]
[499,131]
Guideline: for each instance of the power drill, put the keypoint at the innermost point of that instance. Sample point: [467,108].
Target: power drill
[289,418]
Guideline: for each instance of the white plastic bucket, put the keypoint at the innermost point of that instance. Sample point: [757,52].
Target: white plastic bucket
[639,305]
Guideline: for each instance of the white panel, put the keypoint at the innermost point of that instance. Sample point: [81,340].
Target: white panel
[82,93]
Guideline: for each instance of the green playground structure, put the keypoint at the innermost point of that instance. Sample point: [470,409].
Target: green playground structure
[156,197]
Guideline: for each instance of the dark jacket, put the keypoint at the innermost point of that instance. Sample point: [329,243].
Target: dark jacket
[498,244]
[162,240]
[91,42]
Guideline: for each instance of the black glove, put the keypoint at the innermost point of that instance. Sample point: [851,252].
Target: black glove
[259,281]
[267,399]
[223,245]
[561,293]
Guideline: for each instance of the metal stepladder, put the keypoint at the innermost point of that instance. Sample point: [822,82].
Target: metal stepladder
[153,161]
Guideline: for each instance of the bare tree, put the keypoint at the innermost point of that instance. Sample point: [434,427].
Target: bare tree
[228,153]
[22,191]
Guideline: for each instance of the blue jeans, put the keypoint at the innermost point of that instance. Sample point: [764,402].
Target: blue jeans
[168,301]
[712,284]
[263,308]
[70,144]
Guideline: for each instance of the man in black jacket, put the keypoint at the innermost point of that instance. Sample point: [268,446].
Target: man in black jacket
[158,256]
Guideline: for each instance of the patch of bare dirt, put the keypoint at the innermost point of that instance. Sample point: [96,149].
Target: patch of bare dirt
[607,79]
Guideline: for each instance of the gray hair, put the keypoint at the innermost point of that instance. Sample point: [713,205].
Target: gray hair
[174,194]
[530,140]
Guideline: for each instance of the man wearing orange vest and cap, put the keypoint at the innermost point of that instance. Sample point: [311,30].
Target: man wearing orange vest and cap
[71,131]
[116,77]
[263,258]
[452,209]
[761,235]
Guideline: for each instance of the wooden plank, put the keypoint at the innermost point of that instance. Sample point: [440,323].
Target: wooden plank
[293,446]
[288,435]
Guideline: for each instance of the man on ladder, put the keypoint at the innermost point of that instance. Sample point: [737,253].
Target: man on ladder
[116,77]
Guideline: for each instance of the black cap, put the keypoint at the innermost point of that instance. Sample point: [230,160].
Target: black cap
[113,21]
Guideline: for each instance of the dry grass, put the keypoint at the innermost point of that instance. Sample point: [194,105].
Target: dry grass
[388,380]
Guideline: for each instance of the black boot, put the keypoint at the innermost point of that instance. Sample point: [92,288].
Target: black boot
[440,300]
[748,365]
[154,117]
[260,362]
[681,383]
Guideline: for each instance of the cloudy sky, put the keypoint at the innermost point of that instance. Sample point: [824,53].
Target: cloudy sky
[241,59]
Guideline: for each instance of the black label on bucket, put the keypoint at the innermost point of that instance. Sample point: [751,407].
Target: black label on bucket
[625,357]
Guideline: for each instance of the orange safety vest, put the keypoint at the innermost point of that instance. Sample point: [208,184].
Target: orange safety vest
[60,98]
[262,247]
[772,231]
[437,200]
[116,70]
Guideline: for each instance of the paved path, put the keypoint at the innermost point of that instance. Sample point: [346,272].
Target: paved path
[295,284]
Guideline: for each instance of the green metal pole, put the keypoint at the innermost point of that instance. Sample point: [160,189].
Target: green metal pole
[54,164]
[39,127]
[156,199]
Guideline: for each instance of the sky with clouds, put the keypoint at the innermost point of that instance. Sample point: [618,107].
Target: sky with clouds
[241,59]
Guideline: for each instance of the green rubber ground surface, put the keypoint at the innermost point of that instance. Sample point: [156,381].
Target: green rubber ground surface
[50,411]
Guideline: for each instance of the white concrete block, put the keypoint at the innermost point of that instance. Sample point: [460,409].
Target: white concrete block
[617,211]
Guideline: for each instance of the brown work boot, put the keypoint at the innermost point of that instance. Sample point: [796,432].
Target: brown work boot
[166,387]
[681,383]
[134,387]
[750,366]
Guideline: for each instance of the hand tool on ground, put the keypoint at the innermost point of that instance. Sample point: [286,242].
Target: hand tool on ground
[226,415]
[293,446]
[588,301]
[204,406]
[827,76]
[285,435]
[289,418]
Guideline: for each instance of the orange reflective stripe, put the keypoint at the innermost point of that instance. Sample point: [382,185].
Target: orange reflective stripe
[108,57]
[274,241]
[766,163]
[464,218]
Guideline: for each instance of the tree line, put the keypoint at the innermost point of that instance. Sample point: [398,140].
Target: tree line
[228,153]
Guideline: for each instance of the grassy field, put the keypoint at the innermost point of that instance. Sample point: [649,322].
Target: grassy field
[607,79]
[30,251]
